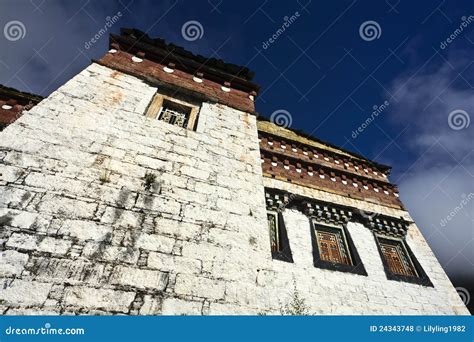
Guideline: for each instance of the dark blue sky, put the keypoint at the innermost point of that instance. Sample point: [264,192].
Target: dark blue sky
[320,70]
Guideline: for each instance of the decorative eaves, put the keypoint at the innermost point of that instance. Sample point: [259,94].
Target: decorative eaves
[278,200]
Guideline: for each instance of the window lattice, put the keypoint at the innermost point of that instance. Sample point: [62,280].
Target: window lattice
[173,116]
[396,257]
[332,246]
[273,230]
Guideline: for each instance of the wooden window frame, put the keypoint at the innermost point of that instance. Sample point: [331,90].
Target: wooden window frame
[402,253]
[277,228]
[156,105]
[421,278]
[344,240]
[284,250]
[357,266]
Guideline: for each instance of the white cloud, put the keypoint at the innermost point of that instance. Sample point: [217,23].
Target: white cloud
[443,173]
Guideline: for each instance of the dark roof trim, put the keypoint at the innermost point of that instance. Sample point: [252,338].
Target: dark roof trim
[328,169]
[12,93]
[157,50]
[381,167]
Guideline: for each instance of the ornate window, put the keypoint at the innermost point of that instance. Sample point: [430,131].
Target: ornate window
[332,245]
[399,261]
[173,111]
[333,248]
[279,244]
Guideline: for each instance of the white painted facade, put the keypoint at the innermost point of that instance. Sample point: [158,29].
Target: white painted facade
[82,235]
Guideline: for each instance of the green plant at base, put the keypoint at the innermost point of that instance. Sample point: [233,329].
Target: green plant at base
[297,306]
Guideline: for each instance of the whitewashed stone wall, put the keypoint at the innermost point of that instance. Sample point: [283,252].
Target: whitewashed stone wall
[81,234]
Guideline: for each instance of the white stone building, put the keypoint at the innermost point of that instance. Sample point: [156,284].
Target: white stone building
[145,185]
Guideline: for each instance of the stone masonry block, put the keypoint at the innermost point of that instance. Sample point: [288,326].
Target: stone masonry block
[92,298]
[139,278]
[175,264]
[24,292]
[67,207]
[54,246]
[199,286]
[71,271]
[22,241]
[84,230]
[175,306]
[10,173]
[155,242]
[12,262]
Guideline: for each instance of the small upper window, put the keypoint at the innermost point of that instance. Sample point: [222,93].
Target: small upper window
[173,111]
